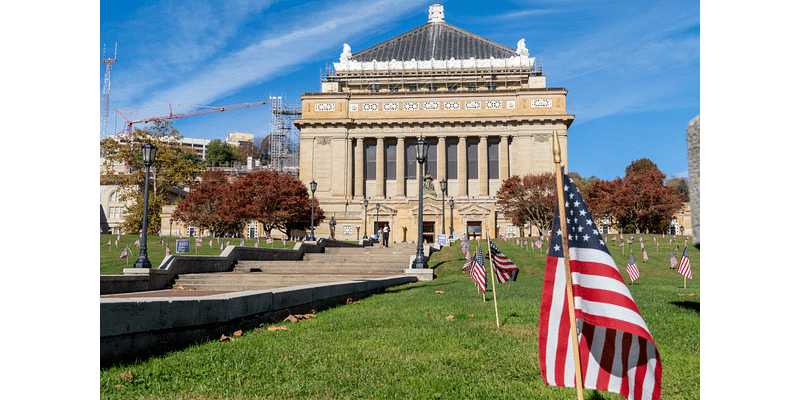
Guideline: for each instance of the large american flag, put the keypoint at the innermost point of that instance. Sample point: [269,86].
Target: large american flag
[685,268]
[478,270]
[506,270]
[617,352]
[632,269]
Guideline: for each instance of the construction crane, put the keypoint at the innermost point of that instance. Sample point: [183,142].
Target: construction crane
[106,90]
[207,110]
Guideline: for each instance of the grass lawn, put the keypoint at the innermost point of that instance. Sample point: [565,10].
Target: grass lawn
[427,340]
[111,264]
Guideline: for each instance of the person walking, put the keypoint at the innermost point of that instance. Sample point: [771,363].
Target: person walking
[386,231]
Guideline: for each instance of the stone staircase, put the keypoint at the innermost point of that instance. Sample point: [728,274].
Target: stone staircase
[336,264]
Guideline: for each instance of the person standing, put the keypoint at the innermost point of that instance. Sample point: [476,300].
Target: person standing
[386,231]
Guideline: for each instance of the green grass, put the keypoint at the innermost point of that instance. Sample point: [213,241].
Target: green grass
[400,344]
[111,264]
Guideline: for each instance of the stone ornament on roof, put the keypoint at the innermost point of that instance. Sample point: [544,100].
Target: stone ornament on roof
[346,54]
[522,51]
[436,13]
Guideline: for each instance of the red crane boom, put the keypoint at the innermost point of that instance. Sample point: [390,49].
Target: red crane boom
[207,110]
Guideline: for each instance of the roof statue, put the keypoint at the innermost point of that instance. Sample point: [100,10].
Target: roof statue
[521,49]
[436,13]
[346,54]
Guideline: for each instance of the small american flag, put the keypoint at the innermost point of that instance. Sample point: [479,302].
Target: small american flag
[242,243]
[633,270]
[478,272]
[269,240]
[284,241]
[672,260]
[109,242]
[506,270]
[685,268]
[168,253]
[644,255]
[539,243]
[124,253]
[136,242]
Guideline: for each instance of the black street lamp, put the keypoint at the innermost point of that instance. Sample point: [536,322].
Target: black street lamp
[378,220]
[452,204]
[366,203]
[313,185]
[421,148]
[443,186]
[170,227]
[148,156]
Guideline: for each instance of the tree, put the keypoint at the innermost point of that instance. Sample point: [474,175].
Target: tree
[680,185]
[278,201]
[172,168]
[640,201]
[528,199]
[247,149]
[211,205]
[219,153]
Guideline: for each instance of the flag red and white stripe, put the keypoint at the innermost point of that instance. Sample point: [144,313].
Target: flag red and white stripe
[505,268]
[672,260]
[617,352]
[632,269]
[685,268]
[478,270]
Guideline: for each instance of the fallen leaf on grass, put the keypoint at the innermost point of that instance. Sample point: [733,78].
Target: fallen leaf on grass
[350,301]
[228,338]
[119,386]
[439,291]
[472,315]
[449,318]
[237,333]
[278,328]
[685,294]
[291,318]
[126,375]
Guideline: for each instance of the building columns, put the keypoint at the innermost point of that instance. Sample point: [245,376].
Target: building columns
[441,160]
[504,158]
[359,169]
[462,167]
[483,167]
[400,175]
[348,174]
[380,176]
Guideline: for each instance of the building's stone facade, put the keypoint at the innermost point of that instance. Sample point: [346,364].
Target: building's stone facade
[486,119]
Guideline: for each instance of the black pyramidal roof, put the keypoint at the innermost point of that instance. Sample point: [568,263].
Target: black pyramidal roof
[434,40]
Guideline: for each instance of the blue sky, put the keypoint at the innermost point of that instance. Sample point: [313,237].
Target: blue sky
[632,68]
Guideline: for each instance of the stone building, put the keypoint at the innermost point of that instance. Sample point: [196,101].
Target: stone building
[483,107]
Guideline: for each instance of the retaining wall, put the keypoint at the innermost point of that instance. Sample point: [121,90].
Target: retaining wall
[132,328]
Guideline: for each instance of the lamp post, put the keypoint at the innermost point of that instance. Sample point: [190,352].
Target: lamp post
[148,156]
[378,218]
[366,203]
[170,227]
[443,186]
[452,204]
[421,148]
[313,185]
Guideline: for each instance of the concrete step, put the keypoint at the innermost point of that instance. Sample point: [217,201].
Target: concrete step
[260,281]
[301,267]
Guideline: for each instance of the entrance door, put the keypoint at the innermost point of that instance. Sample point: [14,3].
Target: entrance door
[379,229]
[428,231]
[474,230]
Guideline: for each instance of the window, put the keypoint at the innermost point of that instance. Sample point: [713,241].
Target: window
[412,87]
[472,86]
[452,87]
[431,164]
[433,87]
[411,160]
[494,159]
[452,160]
[369,160]
[390,161]
[373,88]
[394,87]
[472,160]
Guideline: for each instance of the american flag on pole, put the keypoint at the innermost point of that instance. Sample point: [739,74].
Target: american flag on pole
[644,255]
[506,269]
[685,268]
[168,253]
[467,265]
[478,271]
[672,260]
[617,352]
[632,269]
[124,253]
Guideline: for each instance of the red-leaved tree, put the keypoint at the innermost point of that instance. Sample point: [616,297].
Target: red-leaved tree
[528,199]
[639,201]
[211,205]
[278,201]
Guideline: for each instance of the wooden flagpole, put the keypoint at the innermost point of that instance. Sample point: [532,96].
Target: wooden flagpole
[494,292]
[565,248]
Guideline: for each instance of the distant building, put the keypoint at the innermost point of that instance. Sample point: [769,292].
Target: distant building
[484,109]
[238,138]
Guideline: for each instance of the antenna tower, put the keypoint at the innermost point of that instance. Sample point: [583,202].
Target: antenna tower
[106,91]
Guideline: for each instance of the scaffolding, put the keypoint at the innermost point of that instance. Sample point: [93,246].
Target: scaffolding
[434,79]
[284,138]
